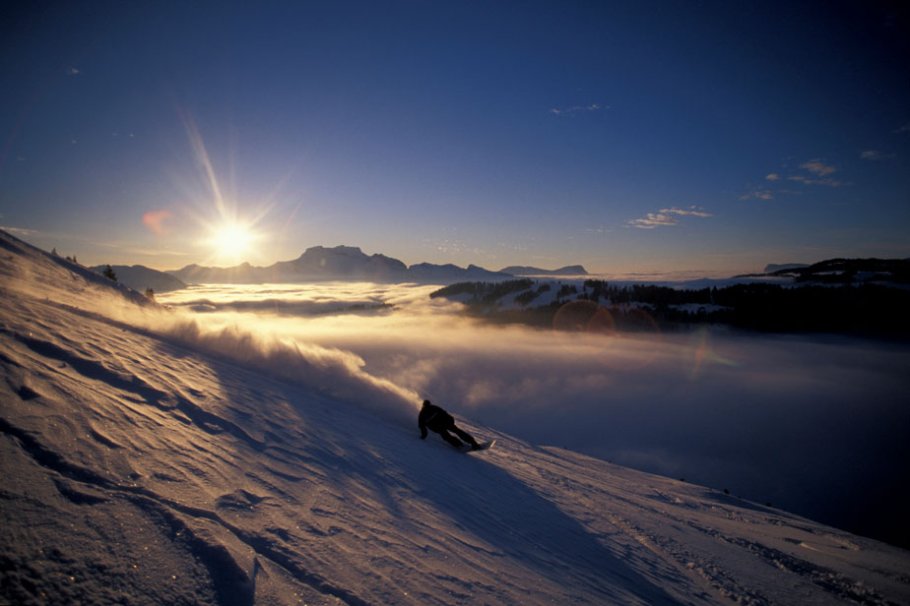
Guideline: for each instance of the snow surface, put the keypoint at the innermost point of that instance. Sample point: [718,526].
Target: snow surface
[149,459]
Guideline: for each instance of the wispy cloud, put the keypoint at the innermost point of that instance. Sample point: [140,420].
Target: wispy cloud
[903,129]
[125,248]
[812,181]
[874,155]
[817,167]
[812,172]
[819,173]
[575,109]
[19,231]
[667,217]
[692,211]
[758,194]
[73,71]
[652,220]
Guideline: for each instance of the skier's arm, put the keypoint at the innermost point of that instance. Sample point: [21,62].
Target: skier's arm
[423,429]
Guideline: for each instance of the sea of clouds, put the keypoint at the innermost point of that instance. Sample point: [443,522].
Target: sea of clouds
[812,424]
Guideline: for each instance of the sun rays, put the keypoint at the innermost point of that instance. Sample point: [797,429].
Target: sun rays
[231,230]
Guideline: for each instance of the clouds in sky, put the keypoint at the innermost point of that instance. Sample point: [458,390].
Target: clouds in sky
[810,173]
[667,217]
[819,173]
[874,155]
[763,193]
[575,109]
[556,126]
[812,181]
[758,194]
[817,167]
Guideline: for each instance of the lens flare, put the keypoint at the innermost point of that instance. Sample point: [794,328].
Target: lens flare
[586,316]
[703,353]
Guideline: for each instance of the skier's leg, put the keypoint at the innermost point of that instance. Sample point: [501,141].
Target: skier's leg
[450,439]
[465,436]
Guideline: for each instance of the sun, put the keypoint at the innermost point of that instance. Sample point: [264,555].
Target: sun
[231,235]
[231,241]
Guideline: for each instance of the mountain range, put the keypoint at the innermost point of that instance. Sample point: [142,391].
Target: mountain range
[350,263]
[524,270]
[337,263]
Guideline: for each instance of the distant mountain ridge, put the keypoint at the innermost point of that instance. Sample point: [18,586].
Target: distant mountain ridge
[770,268]
[140,278]
[350,263]
[525,270]
[848,271]
[337,263]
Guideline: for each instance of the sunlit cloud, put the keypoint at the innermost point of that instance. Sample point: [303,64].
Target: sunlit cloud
[653,220]
[692,211]
[667,217]
[155,221]
[819,168]
[819,173]
[814,172]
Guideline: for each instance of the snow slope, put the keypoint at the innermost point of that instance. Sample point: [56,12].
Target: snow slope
[147,459]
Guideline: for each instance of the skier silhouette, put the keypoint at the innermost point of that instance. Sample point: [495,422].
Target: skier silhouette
[436,419]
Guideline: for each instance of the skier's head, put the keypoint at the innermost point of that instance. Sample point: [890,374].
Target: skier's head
[426,402]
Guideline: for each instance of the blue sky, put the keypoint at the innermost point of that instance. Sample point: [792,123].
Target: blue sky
[708,137]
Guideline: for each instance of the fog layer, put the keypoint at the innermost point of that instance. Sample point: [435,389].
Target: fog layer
[814,425]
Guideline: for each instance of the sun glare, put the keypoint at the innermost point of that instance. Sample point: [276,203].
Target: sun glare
[232,241]
[231,236]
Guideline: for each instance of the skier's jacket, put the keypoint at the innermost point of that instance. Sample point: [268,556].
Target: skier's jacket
[434,418]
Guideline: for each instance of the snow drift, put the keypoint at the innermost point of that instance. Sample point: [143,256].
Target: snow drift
[148,463]
[334,372]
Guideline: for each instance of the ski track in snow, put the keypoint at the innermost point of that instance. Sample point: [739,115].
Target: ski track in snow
[139,469]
